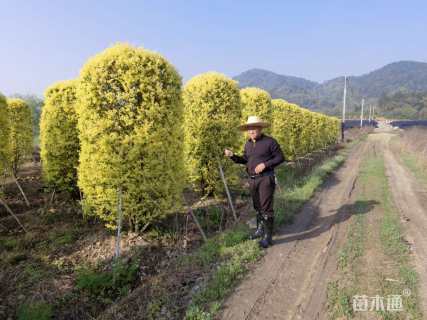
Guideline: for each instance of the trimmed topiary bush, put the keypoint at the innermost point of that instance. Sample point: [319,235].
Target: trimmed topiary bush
[21,132]
[130,123]
[306,144]
[59,141]
[256,101]
[212,115]
[4,136]
[300,131]
[287,127]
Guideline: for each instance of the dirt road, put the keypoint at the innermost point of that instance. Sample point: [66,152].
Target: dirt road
[291,280]
[410,198]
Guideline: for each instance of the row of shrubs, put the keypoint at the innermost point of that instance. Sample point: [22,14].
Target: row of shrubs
[16,134]
[127,124]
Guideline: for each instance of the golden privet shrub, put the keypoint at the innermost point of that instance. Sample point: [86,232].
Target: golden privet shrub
[212,115]
[130,120]
[323,134]
[287,127]
[307,133]
[315,127]
[334,130]
[300,131]
[59,141]
[21,132]
[4,136]
[256,102]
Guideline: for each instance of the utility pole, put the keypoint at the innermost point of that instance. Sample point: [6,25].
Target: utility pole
[370,111]
[343,108]
[373,111]
[361,114]
[344,99]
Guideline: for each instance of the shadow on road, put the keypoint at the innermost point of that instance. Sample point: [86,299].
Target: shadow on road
[285,206]
[323,224]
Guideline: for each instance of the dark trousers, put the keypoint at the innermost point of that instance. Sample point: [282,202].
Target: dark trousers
[262,192]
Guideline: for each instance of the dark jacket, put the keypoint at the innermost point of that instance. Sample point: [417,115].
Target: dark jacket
[264,149]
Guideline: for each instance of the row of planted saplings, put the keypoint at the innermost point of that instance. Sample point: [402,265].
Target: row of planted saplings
[126,130]
[16,145]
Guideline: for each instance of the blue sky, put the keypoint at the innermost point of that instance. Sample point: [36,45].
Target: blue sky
[47,41]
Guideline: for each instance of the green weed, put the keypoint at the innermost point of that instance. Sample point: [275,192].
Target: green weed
[353,248]
[33,273]
[63,238]
[35,311]
[107,284]
[290,200]
[8,244]
[339,301]
[223,279]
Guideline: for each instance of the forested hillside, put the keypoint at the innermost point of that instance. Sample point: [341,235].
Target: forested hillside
[404,105]
[382,86]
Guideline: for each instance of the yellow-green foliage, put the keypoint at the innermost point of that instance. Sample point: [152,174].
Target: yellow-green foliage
[307,134]
[326,130]
[287,127]
[130,118]
[300,131]
[59,141]
[4,135]
[256,102]
[212,115]
[333,130]
[21,132]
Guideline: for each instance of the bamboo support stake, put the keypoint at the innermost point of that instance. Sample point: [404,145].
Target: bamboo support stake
[227,191]
[53,196]
[13,215]
[276,181]
[184,244]
[21,190]
[198,224]
[119,221]
[145,227]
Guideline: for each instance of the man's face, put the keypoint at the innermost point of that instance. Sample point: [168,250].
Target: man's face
[254,132]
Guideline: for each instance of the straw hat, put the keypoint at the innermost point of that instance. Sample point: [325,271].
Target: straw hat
[254,121]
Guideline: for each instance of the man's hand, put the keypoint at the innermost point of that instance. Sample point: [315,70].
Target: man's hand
[260,168]
[228,153]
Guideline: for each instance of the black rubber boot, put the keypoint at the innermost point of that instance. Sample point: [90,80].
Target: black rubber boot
[259,232]
[267,239]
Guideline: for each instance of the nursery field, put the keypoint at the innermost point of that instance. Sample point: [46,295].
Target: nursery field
[129,209]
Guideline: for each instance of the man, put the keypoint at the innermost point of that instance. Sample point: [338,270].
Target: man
[261,155]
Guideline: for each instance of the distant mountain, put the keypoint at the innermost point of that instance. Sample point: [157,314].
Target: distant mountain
[279,86]
[403,76]
[272,81]
[398,76]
